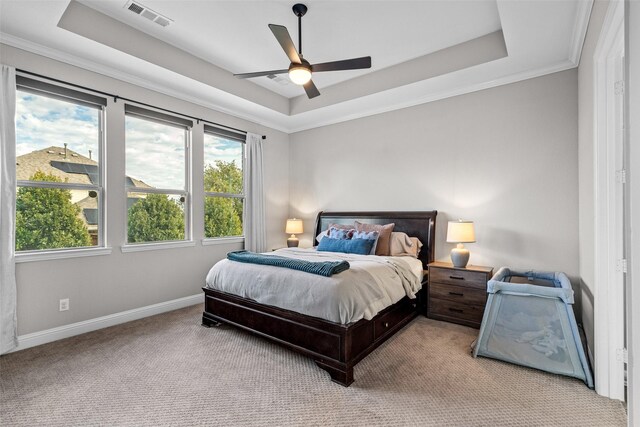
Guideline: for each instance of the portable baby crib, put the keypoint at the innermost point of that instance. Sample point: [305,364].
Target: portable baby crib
[533,325]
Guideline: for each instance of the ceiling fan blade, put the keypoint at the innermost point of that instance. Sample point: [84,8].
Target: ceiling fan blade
[345,64]
[283,37]
[260,74]
[311,89]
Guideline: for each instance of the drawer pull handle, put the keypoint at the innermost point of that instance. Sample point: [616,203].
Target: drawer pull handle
[456,310]
[386,324]
[458,294]
[456,277]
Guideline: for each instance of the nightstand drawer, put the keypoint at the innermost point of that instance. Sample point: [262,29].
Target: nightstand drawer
[459,312]
[462,294]
[458,277]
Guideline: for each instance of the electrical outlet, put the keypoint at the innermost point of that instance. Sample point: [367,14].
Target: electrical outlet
[64,304]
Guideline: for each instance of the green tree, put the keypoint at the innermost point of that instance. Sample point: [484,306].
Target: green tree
[223,177]
[223,215]
[155,218]
[47,219]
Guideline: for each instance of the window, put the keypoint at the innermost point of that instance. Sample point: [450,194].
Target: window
[59,148]
[223,183]
[157,181]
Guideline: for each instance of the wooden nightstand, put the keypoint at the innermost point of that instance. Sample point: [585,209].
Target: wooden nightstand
[457,295]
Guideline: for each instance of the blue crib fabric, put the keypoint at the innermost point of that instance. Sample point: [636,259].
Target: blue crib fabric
[533,325]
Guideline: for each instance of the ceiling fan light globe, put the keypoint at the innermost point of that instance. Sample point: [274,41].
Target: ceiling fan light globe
[300,75]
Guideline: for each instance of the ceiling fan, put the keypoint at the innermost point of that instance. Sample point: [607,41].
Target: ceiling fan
[300,69]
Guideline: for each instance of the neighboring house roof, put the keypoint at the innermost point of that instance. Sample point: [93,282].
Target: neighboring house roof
[65,164]
[69,166]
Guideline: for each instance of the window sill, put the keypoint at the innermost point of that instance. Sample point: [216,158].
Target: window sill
[61,254]
[222,240]
[155,246]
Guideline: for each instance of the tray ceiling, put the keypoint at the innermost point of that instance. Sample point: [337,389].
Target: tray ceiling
[420,51]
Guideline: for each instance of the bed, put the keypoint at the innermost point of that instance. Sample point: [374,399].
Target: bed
[334,346]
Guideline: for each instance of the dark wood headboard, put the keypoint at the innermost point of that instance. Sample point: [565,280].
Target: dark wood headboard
[416,224]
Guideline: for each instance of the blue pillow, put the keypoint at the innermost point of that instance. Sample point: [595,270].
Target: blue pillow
[368,235]
[353,246]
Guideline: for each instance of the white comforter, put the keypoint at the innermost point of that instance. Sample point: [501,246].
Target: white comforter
[370,285]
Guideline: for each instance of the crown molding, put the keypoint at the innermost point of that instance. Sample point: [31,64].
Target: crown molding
[580,26]
[512,78]
[95,67]
[286,125]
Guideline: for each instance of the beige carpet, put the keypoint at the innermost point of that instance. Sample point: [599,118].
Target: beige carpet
[168,370]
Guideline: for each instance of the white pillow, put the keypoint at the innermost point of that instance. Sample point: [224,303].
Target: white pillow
[320,236]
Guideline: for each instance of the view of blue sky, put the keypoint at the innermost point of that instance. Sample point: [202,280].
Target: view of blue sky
[216,148]
[42,122]
[155,153]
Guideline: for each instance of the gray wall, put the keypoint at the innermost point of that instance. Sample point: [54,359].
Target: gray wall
[505,157]
[586,147]
[102,285]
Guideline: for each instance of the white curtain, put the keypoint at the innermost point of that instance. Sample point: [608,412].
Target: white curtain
[8,323]
[255,235]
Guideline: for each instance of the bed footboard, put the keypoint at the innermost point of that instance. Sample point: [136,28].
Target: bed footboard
[334,347]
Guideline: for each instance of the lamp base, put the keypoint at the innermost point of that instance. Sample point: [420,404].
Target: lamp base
[292,242]
[460,256]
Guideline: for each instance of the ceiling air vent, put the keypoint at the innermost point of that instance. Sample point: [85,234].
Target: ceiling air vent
[279,79]
[135,8]
[140,9]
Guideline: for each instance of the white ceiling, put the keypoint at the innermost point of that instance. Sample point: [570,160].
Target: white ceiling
[234,34]
[218,38]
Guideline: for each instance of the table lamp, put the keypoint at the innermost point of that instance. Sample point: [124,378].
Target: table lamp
[460,232]
[294,226]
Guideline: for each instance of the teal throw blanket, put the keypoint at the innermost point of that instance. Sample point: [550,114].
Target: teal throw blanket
[322,268]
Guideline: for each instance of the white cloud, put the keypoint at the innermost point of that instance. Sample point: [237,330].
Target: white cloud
[216,148]
[42,122]
[155,153]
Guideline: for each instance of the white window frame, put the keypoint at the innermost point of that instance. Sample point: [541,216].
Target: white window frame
[187,125]
[79,97]
[232,136]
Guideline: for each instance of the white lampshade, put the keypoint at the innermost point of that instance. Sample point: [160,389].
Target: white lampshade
[461,232]
[294,226]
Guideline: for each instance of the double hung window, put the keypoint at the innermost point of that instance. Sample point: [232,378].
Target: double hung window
[59,167]
[223,183]
[157,181]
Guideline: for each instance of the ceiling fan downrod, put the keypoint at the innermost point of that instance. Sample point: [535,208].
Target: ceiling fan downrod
[299,10]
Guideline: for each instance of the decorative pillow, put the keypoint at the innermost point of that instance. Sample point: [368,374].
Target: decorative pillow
[352,246]
[340,227]
[384,241]
[341,233]
[403,245]
[368,235]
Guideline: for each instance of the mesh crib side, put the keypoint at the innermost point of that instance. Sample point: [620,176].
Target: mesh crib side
[533,326]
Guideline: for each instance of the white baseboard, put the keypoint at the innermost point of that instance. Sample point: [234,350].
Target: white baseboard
[66,331]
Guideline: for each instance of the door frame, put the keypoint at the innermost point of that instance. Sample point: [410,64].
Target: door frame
[609,301]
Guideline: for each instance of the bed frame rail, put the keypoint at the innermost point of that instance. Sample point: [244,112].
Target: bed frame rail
[334,347]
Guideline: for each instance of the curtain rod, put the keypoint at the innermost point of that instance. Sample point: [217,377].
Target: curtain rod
[116,97]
